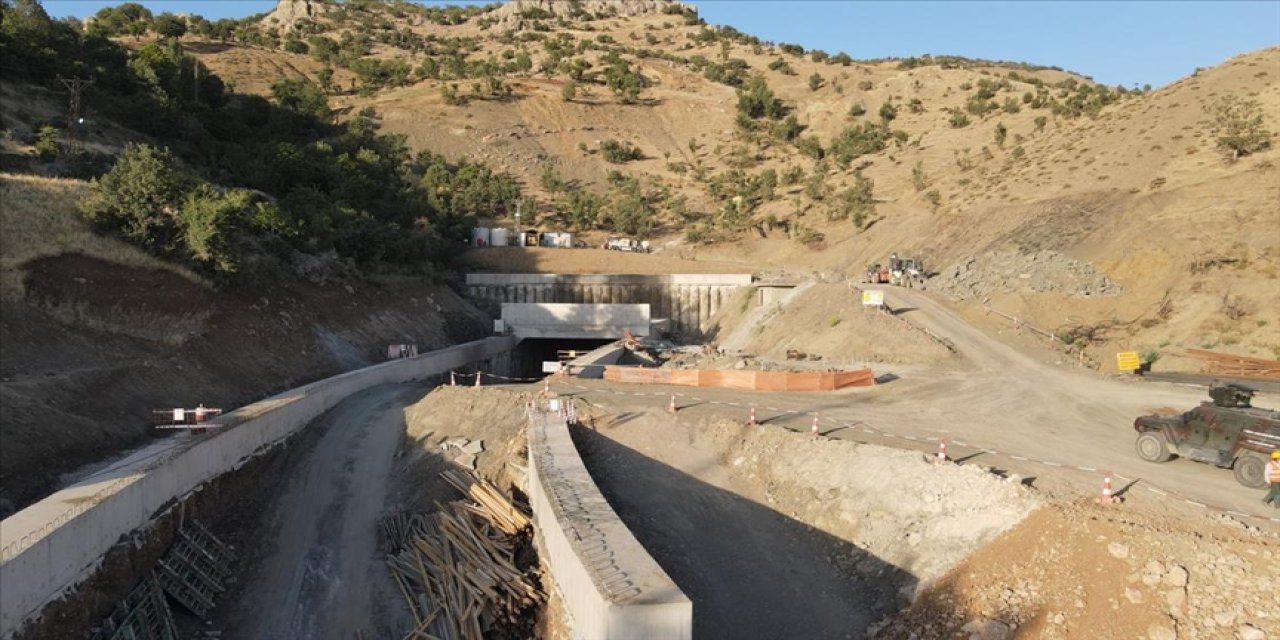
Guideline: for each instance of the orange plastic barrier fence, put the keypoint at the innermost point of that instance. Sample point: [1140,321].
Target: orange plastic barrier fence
[749,380]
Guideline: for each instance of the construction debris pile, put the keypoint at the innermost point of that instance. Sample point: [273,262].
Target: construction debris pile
[976,277]
[457,568]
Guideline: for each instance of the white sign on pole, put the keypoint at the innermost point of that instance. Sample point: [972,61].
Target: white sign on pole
[872,298]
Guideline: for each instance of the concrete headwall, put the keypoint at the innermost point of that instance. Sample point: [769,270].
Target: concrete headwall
[56,542]
[612,587]
[688,300]
[574,321]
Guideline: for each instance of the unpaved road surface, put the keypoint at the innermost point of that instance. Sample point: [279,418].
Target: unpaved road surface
[323,577]
[1055,421]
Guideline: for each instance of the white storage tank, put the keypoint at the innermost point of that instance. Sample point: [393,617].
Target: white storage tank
[480,237]
[498,237]
[566,240]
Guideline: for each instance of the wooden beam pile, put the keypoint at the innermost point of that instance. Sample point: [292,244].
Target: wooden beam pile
[457,569]
[1228,364]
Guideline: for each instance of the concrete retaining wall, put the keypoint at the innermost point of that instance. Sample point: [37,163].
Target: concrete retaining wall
[688,300]
[611,586]
[575,321]
[56,542]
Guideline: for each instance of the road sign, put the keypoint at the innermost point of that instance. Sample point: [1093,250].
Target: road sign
[872,298]
[1128,361]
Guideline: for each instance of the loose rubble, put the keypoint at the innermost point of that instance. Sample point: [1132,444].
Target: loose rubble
[975,277]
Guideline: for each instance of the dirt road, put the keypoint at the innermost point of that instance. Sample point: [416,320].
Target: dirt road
[1053,420]
[323,578]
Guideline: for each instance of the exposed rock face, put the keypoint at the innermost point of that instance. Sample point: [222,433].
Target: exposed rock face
[288,12]
[510,14]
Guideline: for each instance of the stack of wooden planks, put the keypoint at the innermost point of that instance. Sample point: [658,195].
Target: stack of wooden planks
[456,567]
[1229,364]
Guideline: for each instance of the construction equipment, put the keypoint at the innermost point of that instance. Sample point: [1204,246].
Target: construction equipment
[1227,432]
[627,244]
[876,274]
[906,272]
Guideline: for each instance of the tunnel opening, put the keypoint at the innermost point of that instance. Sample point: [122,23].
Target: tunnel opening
[532,352]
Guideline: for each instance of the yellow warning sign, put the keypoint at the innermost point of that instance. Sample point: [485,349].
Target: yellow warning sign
[1128,361]
[872,298]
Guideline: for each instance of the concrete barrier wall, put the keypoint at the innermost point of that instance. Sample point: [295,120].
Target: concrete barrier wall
[748,380]
[612,588]
[592,364]
[57,542]
[689,301]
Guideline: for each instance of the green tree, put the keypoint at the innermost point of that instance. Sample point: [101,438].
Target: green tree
[569,90]
[325,77]
[47,142]
[167,25]
[583,209]
[140,198]
[857,110]
[1239,126]
[756,100]
[301,97]
[213,224]
[1040,121]
[623,81]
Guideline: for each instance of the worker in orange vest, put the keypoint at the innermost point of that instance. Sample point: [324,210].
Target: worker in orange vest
[1273,476]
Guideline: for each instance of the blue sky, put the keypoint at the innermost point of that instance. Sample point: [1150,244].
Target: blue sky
[1133,42]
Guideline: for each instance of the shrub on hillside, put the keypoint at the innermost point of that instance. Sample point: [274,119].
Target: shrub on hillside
[756,100]
[858,140]
[618,152]
[46,144]
[1238,125]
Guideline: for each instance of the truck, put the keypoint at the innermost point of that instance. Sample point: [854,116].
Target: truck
[627,244]
[1226,431]
[876,274]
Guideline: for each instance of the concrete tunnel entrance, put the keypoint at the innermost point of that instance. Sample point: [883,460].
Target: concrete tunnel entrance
[532,352]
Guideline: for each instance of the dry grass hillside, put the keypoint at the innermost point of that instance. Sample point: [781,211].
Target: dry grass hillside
[96,333]
[1135,188]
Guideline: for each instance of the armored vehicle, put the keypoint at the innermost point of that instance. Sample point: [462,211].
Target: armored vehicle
[1226,431]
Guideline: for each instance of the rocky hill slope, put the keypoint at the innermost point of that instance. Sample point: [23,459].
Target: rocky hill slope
[828,163]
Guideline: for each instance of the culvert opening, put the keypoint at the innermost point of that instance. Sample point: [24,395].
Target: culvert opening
[532,352]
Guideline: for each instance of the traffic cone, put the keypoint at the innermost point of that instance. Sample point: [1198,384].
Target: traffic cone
[814,429]
[671,406]
[1107,497]
[453,379]
[478,376]
[751,418]
[942,453]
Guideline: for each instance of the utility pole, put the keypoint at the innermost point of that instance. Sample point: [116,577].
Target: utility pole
[75,86]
